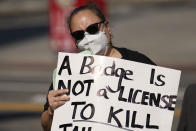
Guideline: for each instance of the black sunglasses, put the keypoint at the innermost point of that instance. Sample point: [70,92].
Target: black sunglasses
[91,29]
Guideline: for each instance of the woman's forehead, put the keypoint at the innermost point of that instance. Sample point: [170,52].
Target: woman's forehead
[83,19]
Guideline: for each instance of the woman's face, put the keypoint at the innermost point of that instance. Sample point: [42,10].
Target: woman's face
[84,18]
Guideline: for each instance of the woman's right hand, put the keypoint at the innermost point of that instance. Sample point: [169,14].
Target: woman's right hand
[56,98]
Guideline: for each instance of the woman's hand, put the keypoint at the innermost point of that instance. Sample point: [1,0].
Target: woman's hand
[56,99]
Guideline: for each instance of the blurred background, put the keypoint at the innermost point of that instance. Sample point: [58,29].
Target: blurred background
[164,30]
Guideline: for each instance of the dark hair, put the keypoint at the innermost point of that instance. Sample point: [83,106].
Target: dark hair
[91,7]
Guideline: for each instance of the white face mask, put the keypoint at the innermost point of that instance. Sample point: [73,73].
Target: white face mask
[95,43]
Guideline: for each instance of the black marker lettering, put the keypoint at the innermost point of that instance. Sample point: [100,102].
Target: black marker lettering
[130,94]
[75,107]
[148,123]
[135,96]
[63,66]
[172,101]
[133,124]
[120,97]
[76,85]
[112,72]
[88,66]
[154,100]
[112,114]
[61,85]
[91,114]
[144,98]
[64,126]
[162,83]
[89,85]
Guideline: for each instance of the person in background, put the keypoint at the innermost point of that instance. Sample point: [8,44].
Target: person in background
[188,114]
[91,32]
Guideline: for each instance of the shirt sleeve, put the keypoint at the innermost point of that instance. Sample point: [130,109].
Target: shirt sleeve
[46,105]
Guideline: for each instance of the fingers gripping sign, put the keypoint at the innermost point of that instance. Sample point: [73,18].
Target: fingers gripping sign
[56,98]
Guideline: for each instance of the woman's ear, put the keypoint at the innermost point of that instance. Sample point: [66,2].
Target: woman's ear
[107,26]
[108,32]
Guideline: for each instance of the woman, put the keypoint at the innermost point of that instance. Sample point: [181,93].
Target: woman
[91,32]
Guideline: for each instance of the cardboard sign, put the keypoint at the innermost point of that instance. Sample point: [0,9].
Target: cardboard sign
[114,94]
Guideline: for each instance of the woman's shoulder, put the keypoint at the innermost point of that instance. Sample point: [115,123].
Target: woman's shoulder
[134,56]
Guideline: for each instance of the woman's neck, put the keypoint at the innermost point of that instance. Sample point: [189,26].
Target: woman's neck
[112,52]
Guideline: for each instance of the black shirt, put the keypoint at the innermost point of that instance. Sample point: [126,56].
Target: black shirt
[127,55]
[134,56]
[188,113]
